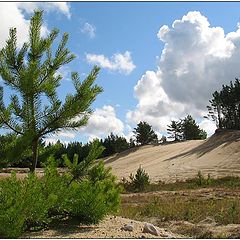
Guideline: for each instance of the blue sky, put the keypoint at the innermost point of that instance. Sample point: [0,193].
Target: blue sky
[147,73]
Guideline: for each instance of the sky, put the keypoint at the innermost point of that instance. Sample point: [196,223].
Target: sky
[160,61]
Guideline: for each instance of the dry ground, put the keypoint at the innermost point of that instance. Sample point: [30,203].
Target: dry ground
[219,155]
[108,228]
[204,227]
[209,211]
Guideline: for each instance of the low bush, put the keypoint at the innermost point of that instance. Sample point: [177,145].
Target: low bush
[32,203]
[22,206]
[95,196]
[138,182]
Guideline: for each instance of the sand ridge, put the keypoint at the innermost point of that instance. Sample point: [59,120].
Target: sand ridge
[218,156]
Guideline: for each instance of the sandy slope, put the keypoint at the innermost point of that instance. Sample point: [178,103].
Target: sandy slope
[219,155]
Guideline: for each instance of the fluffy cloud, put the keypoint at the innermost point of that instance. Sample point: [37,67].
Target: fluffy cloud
[66,134]
[118,62]
[89,30]
[54,140]
[61,7]
[13,15]
[102,122]
[208,126]
[196,60]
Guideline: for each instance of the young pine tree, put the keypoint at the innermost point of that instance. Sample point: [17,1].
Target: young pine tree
[215,109]
[31,72]
[144,134]
[174,129]
[190,129]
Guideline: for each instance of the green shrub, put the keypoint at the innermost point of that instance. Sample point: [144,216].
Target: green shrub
[202,181]
[55,188]
[95,196]
[11,217]
[33,202]
[79,170]
[140,180]
[22,205]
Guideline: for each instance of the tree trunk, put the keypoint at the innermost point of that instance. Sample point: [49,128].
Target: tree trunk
[34,156]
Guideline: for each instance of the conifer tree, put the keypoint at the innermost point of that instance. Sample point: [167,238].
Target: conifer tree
[190,129]
[144,134]
[224,107]
[174,129]
[215,109]
[31,73]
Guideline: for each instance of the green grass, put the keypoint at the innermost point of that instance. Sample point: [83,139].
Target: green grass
[224,211]
[186,207]
[194,183]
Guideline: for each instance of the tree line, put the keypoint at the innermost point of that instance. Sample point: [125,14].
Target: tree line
[224,108]
[186,129]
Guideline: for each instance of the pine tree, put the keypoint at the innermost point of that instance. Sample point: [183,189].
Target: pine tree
[224,107]
[31,72]
[144,134]
[191,130]
[132,143]
[174,129]
[215,109]
[114,144]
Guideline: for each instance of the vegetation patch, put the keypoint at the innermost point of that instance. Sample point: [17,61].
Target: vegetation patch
[179,208]
[86,192]
[200,181]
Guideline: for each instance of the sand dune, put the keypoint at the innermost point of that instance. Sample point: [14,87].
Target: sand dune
[218,155]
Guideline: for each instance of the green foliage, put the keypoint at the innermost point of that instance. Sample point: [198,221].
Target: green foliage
[191,130]
[45,152]
[186,129]
[31,72]
[140,181]
[114,144]
[202,181]
[34,202]
[79,170]
[6,143]
[11,217]
[22,206]
[56,188]
[224,106]
[95,196]
[144,134]
[174,129]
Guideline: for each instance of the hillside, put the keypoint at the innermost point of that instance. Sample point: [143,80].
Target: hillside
[218,155]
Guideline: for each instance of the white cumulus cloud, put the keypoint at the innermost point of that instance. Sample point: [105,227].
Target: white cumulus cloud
[66,134]
[102,122]
[89,30]
[13,15]
[118,62]
[54,140]
[61,7]
[195,61]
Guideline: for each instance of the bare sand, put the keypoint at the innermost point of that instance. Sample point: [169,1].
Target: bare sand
[110,227]
[218,156]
